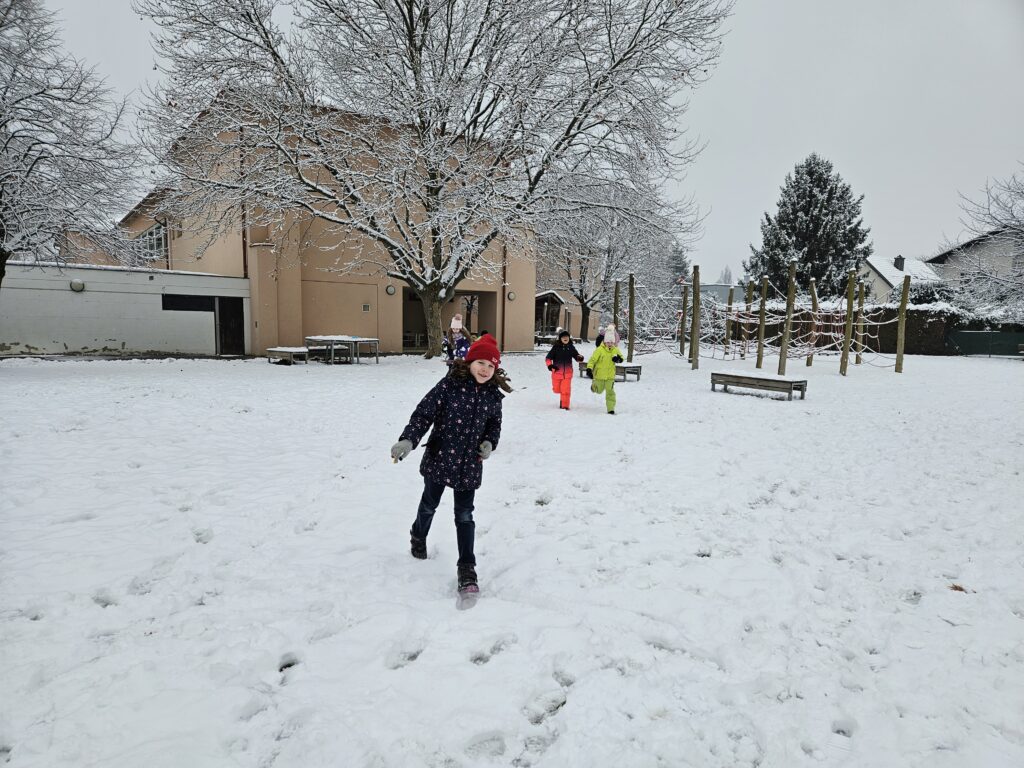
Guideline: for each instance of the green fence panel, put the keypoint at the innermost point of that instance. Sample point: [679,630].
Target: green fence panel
[990,343]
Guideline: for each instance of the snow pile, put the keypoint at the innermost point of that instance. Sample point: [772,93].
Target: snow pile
[205,564]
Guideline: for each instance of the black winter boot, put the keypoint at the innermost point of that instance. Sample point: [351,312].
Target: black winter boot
[418,547]
[467,577]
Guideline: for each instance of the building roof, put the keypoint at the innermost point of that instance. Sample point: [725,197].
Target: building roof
[553,294]
[918,270]
[941,258]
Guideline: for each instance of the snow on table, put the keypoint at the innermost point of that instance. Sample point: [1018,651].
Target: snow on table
[205,563]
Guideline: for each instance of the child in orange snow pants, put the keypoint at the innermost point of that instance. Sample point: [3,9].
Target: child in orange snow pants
[560,361]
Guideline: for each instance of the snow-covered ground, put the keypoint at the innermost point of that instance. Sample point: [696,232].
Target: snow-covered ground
[205,563]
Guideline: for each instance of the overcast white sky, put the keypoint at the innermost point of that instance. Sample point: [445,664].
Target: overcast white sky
[914,102]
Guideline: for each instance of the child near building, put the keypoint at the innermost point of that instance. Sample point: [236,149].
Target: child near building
[601,367]
[465,411]
[456,341]
[560,361]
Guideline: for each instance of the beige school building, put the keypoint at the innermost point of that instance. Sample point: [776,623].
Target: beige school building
[298,290]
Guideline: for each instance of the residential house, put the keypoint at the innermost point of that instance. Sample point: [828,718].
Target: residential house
[998,253]
[882,277]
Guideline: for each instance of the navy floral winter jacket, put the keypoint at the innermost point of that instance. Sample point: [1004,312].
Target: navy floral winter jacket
[464,414]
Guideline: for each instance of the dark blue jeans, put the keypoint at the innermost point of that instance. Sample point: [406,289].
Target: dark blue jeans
[465,528]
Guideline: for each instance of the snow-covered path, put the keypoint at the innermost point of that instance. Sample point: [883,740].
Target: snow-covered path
[205,563]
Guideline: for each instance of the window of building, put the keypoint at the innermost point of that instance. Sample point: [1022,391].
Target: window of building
[182,303]
[152,244]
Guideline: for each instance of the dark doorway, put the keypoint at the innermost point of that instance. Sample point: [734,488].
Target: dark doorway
[230,326]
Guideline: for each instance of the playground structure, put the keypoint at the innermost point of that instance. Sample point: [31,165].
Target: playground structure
[748,324]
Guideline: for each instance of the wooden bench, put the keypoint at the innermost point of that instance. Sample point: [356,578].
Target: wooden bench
[621,369]
[287,354]
[627,369]
[788,386]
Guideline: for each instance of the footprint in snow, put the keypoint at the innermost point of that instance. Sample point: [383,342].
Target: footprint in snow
[402,657]
[563,678]
[487,744]
[844,726]
[482,657]
[103,598]
[544,706]
[288,662]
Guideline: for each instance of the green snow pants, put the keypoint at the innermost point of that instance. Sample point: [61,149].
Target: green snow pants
[608,387]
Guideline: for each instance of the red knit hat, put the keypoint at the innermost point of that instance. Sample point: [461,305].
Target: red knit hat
[484,348]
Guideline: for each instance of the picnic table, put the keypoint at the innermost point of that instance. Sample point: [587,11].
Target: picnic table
[350,343]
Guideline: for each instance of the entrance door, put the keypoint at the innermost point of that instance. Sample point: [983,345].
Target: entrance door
[230,326]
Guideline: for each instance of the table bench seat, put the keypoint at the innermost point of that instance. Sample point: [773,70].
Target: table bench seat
[789,386]
[288,354]
[621,369]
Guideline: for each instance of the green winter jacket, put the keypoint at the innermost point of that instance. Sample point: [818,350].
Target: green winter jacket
[601,362]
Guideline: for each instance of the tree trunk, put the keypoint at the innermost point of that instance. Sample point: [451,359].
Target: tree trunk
[432,304]
[584,320]
[3,265]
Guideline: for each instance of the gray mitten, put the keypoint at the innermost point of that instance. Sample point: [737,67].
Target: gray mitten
[401,449]
[485,449]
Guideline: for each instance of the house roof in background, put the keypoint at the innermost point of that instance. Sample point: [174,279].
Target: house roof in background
[919,271]
[940,258]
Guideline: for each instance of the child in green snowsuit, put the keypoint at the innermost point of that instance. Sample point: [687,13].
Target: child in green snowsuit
[601,368]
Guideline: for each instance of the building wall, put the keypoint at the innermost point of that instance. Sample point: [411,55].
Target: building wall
[119,312]
[992,254]
[878,289]
[301,289]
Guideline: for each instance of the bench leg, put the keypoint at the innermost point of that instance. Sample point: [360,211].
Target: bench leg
[791,394]
[712,386]
[803,393]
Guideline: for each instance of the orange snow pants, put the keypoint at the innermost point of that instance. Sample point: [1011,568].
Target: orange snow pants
[561,384]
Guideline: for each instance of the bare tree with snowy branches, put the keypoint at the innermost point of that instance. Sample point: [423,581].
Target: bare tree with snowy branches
[995,283]
[585,253]
[64,173]
[423,136]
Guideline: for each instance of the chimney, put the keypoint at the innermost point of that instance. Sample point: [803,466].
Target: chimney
[898,263]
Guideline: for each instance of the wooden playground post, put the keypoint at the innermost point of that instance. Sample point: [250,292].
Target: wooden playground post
[814,322]
[728,322]
[787,329]
[901,326]
[760,322]
[848,333]
[615,307]
[860,323]
[632,317]
[682,321]
[695,326]
[743,326]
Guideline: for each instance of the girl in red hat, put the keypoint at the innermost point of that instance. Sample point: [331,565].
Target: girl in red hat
[464,409]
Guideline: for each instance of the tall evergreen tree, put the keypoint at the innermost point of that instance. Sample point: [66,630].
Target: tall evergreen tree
[678,266]
[819,224]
